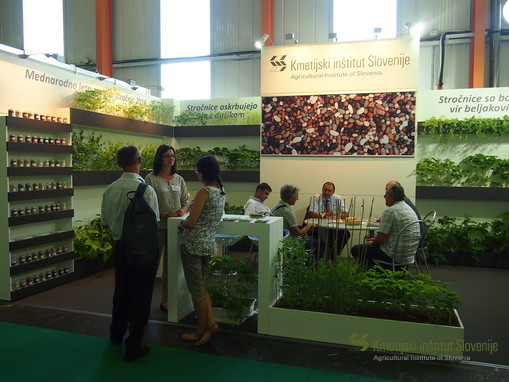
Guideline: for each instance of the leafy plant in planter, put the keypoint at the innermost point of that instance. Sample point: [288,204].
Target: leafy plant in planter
[93,240]
[477,170]
[339,287]
[230,283]
[450,236]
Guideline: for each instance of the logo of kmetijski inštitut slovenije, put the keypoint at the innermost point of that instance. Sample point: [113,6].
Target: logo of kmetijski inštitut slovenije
[278,63]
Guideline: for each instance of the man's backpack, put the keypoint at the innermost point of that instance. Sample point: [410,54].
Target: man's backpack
[139,239]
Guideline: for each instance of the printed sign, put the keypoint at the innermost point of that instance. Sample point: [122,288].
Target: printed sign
[366,66]
[219,111]
[464,103]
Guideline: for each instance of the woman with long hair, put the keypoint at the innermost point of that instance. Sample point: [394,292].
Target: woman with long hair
[173,200]
[197,245]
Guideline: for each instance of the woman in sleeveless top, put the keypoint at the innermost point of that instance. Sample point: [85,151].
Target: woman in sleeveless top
[197,245]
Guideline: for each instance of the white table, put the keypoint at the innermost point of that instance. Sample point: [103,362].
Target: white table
[270,232]
[334,224]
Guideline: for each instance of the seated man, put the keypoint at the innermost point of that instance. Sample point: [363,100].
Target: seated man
[325,204]
[289,196]
[328,203]
[255,204]
[407,201]
[394,218]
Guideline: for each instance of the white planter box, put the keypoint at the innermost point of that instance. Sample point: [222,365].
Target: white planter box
[221,315]
[375,334]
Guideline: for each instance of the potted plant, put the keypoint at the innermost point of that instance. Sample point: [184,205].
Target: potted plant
[230,283]
[380,309]
[93,246]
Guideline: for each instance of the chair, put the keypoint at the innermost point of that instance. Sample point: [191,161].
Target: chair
[255,240]
[398,265]
[428,219]
[226,240]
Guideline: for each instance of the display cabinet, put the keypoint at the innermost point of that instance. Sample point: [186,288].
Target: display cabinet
[36,207]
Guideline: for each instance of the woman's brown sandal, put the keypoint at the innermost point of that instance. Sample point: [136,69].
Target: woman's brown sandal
[192,336]
[209,333]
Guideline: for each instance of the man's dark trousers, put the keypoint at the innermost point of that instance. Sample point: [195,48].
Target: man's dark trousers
[132,299]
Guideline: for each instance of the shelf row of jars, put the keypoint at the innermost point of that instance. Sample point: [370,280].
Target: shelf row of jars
[39,277]
[38,255]
[37,186]
[37,163]
[23,211]
[38,140]
[36,116]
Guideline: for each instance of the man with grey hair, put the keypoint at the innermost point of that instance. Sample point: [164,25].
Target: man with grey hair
[394,218]
[407,201]
[289,195]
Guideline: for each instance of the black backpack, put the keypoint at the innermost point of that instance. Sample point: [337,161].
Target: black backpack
[139,239]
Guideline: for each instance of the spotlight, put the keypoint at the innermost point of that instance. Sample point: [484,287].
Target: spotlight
[505,12]
[291,36]
[23,55]
[261,41]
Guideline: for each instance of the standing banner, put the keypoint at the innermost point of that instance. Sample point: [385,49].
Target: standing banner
[340,98]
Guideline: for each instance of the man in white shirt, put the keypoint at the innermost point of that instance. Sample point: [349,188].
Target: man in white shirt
[133,286]
[255,204]
[326,204]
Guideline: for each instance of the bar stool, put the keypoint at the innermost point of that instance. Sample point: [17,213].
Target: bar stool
[255,240]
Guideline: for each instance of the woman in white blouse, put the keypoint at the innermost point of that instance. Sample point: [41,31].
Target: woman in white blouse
[173,200]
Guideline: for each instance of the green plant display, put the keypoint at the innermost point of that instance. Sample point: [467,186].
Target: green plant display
[230,283]
[84,149]
[398,294]
[233,209]
[340,287]
[437,172]
[92,153]
[93,240]
[107,101]
[450,235]
[446,129]
[473,171]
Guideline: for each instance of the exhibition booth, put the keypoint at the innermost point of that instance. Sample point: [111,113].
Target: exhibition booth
[349,113]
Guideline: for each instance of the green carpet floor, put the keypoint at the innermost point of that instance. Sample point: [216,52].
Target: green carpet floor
[33,354]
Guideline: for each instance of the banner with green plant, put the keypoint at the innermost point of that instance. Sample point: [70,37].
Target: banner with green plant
[92,152]
[110,101]
[477,170]
[218,112]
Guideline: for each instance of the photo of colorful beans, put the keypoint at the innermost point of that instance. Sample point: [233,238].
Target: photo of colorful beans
[343,124]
